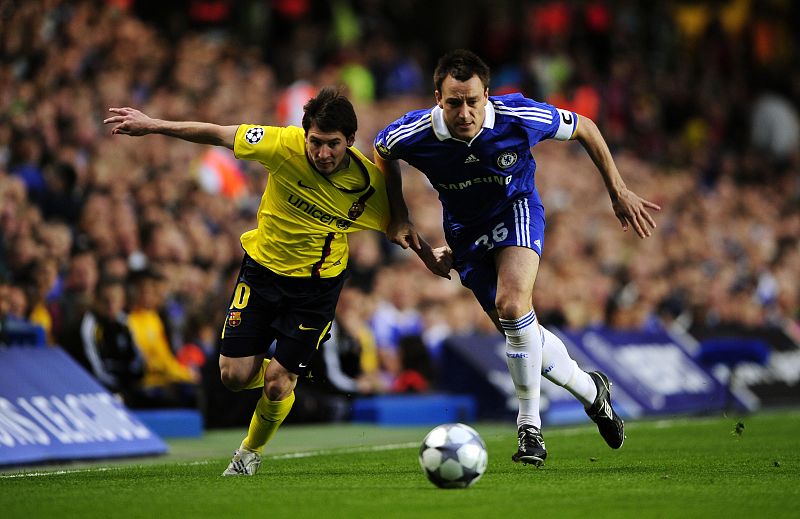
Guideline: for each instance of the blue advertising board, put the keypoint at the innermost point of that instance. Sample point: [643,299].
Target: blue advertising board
[652,367]
[51,409]
[476,365]
[652,373]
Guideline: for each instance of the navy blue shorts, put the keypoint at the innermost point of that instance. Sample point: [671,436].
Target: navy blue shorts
[266,307]
[520,225]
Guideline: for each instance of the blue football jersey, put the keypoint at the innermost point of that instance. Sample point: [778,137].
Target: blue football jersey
[479,179]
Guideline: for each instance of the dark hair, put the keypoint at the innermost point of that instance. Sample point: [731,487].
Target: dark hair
[462,64]
[331,112]
[106,281]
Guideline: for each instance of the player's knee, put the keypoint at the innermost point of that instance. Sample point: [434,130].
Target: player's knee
[279,387]
[510,307]
[232,379]
[276,391]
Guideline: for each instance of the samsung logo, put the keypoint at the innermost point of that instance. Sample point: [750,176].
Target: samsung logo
[501,180]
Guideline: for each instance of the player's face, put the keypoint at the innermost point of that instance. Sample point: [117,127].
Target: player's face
[327,150]
[464,104]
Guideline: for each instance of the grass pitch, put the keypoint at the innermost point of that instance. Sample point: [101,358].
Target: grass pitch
[676,468]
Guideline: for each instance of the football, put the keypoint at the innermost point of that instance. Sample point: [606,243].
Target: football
[453,456]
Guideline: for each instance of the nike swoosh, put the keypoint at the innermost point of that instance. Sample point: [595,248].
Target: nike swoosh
[301,365]
[267,419]
[300,183]
[306,328]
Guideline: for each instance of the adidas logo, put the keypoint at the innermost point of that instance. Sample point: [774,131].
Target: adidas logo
[538,243]
[471,158]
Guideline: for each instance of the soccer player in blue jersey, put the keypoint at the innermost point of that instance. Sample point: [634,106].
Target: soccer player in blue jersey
[475,150]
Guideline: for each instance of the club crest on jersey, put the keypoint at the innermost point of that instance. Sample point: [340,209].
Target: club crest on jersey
[507,159]
[254,135]
[234,319]
[356,210]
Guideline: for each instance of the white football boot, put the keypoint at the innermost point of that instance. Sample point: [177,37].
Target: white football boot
[244,463]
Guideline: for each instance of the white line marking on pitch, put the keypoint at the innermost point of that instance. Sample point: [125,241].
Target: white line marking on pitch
[290,455]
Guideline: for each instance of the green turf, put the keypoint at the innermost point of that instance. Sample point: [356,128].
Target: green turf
[684,468]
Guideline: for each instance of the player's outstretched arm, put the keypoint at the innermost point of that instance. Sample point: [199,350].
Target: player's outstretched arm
[629,208]
[400,229]
[129,121]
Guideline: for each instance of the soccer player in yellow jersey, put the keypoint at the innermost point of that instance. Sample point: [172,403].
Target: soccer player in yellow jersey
[319,189]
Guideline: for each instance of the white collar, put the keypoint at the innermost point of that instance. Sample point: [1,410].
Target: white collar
[440,128]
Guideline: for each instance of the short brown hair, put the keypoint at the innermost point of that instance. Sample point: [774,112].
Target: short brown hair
[331,112]
[462,64]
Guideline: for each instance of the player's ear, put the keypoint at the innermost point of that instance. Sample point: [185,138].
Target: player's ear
[351,140]
[438,96]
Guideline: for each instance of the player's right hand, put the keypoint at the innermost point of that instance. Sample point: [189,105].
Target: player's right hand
[129,121]
[404,234]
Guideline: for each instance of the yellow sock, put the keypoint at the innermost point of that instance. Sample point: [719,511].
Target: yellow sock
[267,417]
[258,378]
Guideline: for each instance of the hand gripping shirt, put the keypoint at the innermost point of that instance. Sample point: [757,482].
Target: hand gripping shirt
[479,179]
[304,216]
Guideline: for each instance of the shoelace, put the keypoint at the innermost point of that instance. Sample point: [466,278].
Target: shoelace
[529,434]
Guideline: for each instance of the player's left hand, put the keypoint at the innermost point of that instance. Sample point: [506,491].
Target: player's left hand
[444,259]
[631,209]
[438,260]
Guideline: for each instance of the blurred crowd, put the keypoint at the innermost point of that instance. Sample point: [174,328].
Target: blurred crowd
[123,251]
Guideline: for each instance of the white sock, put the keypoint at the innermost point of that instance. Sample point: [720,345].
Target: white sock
[558,367]
[524,358]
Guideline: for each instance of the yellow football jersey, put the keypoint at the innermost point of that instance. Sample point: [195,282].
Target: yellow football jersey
[304,216]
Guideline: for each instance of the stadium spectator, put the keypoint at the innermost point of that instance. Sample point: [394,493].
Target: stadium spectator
[350,362]
[80,282]
[396,315]
[44,291]
[15,328]
[165,380]
[416,372]
[109,352]
[60,199]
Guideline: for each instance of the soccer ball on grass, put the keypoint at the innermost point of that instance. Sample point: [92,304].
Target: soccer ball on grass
[453,455]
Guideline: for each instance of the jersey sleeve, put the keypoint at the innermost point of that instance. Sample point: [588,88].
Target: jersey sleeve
[260,143]
[540,120]
[393,141]
[382,143]
[567,124]
[378,209]
[375,201]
